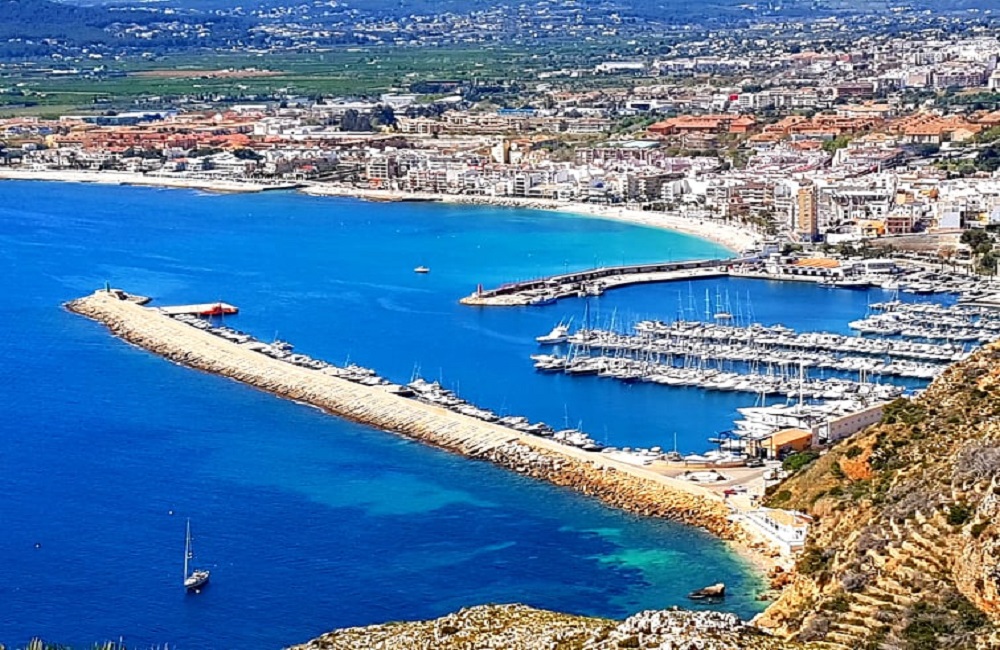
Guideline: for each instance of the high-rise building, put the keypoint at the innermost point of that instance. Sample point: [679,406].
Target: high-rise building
[806,222]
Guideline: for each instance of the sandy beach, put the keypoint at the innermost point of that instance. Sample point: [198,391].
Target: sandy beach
[132,178]
[731,236]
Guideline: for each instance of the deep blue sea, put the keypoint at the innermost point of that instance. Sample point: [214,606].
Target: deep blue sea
[309,523]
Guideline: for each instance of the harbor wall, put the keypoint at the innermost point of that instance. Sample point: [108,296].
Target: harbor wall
[618,484]
[619,275]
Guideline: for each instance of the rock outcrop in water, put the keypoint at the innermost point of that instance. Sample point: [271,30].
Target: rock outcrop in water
[518,627]
[614,487]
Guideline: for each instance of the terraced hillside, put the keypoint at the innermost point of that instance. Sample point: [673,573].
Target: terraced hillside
[906,549]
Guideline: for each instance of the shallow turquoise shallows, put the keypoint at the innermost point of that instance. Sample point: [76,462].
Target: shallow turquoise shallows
[307,522]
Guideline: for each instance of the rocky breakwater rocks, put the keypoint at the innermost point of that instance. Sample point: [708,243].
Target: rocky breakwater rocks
[617,484]
[517,627]
[616,487]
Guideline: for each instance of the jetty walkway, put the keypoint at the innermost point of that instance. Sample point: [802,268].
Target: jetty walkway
[617,483]
[593,282]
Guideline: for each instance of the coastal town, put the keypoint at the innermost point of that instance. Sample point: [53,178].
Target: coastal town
[861,167]
[893,142]
[843,153]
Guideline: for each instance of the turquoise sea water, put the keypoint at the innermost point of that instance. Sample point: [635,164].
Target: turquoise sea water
[307,522]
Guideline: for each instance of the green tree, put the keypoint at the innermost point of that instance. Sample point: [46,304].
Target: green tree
[974,237]
[988,159]
[383,116]
[247,154]
[988,263]
[797,461]
[831,146]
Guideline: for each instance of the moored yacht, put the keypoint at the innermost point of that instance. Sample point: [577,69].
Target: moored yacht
[559,334]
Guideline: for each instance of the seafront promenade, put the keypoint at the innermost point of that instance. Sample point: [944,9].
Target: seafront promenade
[616,483]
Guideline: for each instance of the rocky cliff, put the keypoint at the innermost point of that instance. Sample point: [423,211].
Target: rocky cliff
[517,627]
[905,551]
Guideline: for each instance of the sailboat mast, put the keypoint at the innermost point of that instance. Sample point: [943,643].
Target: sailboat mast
[187,548]
[802,372]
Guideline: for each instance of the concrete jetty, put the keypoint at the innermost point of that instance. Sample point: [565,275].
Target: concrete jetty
[595,282]
[616,483]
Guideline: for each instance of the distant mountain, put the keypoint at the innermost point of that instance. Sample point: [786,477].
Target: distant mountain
[35,19]
[32,28]
[29,28]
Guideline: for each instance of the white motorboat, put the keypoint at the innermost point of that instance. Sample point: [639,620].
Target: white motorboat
[559,334]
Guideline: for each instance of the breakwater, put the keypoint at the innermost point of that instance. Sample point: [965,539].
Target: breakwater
[593,282]
[615,483]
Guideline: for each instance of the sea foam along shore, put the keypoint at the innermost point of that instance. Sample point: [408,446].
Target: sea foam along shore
[106,177]
[618,484]
[734,237]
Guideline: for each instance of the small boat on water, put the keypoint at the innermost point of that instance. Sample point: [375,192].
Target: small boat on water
[421,269]
[852,283]
[845,283]
[542,301]
[196,578]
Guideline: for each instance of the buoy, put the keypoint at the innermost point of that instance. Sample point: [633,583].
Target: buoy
[38,545]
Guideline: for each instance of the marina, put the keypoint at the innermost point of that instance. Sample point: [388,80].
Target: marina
[691,490]
[783,383]
[420,409]
[846,397]
[834,384]
[931,322]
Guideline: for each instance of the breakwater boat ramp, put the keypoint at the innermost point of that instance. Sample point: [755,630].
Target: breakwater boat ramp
[421,410]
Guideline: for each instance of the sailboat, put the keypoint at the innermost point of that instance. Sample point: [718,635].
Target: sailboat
[197,577]
[721,313]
